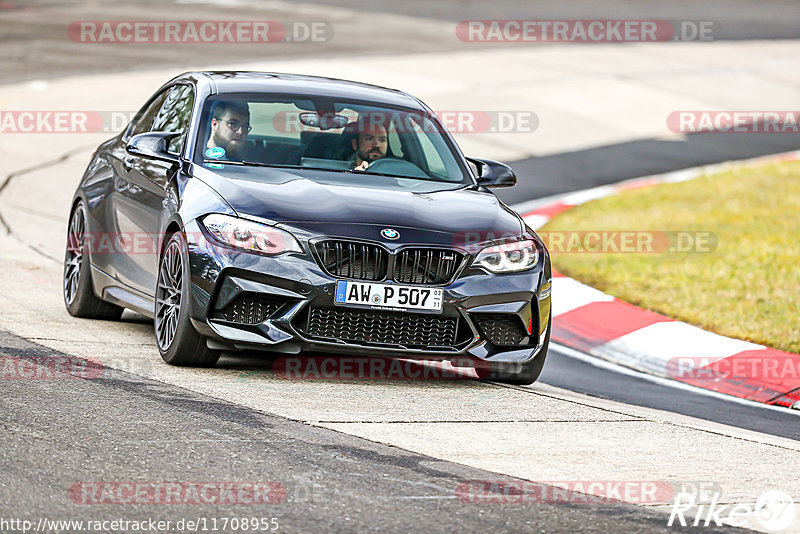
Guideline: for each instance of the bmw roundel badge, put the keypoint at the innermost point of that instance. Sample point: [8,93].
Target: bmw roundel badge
[390,233]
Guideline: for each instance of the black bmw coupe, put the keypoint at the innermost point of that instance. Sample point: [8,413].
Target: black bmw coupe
[285,213]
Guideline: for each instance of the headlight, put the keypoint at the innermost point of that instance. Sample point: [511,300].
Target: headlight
[249,235]
[509,257]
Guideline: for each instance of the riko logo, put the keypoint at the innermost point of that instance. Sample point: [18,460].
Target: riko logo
[390,233]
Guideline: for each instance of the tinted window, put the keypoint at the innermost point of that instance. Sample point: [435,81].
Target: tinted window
[174,115]
[144,119]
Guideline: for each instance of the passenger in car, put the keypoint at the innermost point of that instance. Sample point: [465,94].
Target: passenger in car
[230,124]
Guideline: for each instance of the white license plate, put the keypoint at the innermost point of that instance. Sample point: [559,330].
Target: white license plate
[388,296]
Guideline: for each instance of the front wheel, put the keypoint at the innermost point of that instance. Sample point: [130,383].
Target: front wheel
[521,374]
[178,341]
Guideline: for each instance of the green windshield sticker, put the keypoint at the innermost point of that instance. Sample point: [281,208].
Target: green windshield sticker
[215,152]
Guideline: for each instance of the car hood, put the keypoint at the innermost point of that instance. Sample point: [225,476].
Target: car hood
[338,208]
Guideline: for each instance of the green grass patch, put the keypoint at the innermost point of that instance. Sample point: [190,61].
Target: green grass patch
[748,287]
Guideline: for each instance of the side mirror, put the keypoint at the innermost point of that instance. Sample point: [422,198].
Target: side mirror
[493,173]
[153,145]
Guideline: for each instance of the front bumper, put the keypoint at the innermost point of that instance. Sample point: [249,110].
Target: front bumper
[220,275]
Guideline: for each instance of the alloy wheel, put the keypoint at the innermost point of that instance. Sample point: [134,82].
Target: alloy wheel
[74,256]
[169,294]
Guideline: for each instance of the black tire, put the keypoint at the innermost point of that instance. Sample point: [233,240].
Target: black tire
[516,373]
[178,342]
[78,291]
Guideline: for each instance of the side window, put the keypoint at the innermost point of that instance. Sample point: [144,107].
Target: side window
[144,119]
[175,114]
[435,162]
[395,144]
[426,140]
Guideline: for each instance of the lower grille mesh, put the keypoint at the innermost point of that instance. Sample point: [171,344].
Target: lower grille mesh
[384,328]
[252,308]
[501,329]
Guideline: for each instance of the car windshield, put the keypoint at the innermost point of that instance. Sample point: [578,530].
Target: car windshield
[355,138]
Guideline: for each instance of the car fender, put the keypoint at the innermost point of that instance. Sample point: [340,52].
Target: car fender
[188,199]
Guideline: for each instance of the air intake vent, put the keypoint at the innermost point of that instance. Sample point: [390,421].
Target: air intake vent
[251,308]
[503,329]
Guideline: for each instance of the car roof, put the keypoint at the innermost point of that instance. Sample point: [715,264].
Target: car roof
[273,82]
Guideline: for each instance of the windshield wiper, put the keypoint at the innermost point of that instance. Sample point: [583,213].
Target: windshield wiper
[287,166]
[233,162]
[276,165]
[305,167]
